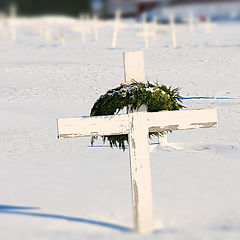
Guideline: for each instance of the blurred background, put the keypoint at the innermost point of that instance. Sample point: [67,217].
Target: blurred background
[216,9]
[40,7]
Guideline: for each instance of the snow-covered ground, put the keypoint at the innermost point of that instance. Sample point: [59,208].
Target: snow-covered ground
[66,189]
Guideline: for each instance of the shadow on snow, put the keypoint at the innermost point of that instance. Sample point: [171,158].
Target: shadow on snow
[17,210]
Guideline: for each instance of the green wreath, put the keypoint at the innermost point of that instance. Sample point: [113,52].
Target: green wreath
[156,97]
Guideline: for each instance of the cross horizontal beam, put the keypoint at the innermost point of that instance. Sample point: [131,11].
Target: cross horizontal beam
[120,124]
[182,120]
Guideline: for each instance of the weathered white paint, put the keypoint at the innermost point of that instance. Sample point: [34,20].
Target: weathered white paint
[137,125]
[140,166]
[93,126]
[116,28]
[156,121]
[134,66]
[182,120]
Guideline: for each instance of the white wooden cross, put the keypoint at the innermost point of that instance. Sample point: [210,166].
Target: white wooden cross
[191,21]
[134,66]
[138,125]
[154,26]
[208,25]
[173,30]
[116,27]
[13,23]
[146,33]
[82,26]
[45,31]
[96,27]
[2,27]
[60,37]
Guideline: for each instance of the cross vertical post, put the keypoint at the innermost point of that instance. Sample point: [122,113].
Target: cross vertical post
[137,125]
[140,166]
[134,66]
[134,70]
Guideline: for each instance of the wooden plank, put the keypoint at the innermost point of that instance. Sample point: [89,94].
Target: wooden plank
[182,120]
[93,126]
[140,173]
[118,124]
[134,66]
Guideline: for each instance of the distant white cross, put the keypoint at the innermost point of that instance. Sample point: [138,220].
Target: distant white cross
[209,25]
[2,27]
[154,26]
[13,28]
[117,25]
[138,125]
[60,37]
[191,21]
[146,32]
[82,27]
[173,30]
[95,27]
[87,23]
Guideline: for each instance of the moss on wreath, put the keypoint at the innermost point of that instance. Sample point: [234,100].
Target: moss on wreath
[156,97]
